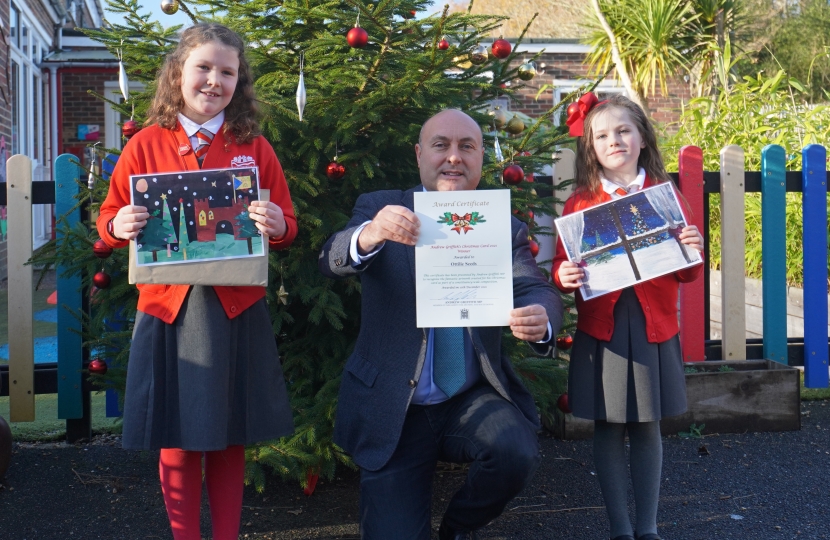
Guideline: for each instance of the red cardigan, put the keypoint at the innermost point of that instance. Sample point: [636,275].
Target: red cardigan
[154,150]
[658,296]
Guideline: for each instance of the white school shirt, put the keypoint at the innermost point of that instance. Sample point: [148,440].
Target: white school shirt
[191,128]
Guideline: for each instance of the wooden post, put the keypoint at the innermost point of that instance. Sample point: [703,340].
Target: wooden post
[692,299]
[773,252]
[814,178]
[19,248]
[70,357]
[732,191]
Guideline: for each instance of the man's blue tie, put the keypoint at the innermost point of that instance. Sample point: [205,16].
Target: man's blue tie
[448,363]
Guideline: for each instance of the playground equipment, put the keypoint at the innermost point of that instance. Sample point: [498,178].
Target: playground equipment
[22,379]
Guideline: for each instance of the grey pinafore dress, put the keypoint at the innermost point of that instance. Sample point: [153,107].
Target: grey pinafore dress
[205,382]
[626,379]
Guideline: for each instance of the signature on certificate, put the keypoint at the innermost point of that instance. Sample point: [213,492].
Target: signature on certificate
[460,295]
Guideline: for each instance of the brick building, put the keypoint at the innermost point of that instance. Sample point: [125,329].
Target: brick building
[564,71]
[49,67]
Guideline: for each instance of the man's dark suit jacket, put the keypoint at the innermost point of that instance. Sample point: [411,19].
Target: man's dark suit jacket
[381,374]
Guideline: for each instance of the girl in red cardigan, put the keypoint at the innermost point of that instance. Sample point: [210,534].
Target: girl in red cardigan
[204,377]
[626,369]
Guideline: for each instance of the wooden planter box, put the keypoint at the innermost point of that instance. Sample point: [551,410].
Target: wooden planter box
[758,395]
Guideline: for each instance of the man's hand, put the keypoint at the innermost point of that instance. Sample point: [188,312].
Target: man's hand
[395,223]
[529,323]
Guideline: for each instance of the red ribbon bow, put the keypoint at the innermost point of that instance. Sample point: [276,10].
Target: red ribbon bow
[578,111]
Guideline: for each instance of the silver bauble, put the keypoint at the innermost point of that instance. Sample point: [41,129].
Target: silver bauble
[301,96]
[123,81]
[170,7]
[479,55]
[527,71]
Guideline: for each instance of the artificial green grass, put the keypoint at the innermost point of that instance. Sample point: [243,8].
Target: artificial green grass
[48,427]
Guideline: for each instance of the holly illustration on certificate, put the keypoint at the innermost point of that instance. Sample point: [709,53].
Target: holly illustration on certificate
[197,216]
[463,258]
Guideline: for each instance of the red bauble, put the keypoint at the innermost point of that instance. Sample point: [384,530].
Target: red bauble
[565,342]
[573,108]
[98,366]
[130,128]
[534,247]
[101,249]
[101,280]
[513,174]
[562,404]
[357,37]
[335,171]
[443,45]
[311,482]
[501,48]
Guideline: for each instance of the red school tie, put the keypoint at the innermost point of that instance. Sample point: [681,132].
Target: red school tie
[619,191]
[204,137]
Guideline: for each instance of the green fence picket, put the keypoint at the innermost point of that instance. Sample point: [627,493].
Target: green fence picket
[773,252]
[70,358]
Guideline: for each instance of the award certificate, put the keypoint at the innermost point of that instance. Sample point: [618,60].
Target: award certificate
[463,258]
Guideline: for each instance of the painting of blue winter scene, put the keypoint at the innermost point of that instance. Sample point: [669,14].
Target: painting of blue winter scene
[197,216]
[627,241]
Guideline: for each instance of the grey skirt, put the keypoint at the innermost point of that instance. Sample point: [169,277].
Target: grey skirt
[626,379]
[205,382]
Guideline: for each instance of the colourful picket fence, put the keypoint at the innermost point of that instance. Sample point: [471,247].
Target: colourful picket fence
[21,380]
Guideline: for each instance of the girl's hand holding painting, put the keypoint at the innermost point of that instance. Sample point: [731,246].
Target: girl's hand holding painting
[571,275]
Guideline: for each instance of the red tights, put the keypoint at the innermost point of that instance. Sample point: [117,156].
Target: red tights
[181,484]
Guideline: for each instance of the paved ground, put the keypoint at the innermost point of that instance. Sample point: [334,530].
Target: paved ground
[743,486]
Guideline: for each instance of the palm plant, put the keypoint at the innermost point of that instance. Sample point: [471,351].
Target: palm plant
[660,39]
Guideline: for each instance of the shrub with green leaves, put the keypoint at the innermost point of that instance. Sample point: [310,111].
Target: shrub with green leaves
[752,112]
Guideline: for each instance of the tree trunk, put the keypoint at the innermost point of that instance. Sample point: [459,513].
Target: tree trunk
[622,72]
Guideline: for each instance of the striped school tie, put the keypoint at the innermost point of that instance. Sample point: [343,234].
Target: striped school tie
[204,137]
[449,370]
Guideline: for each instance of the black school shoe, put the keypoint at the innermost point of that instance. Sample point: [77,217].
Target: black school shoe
[649,536]
[445,532]
[623,537]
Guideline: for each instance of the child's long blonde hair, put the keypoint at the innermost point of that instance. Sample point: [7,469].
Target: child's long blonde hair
[588,168]
[240,114]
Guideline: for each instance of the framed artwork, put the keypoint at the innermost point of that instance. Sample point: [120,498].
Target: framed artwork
[628,240]
[197,216]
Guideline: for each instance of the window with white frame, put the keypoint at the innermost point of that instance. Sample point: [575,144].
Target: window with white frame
[563,87]
[112,118]
[29,133]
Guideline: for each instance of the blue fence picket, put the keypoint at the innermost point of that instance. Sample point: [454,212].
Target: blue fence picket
[112,405]
[70,359]
[774,253]
[814,204]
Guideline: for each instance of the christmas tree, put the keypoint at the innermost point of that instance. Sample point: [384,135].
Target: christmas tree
[364,106]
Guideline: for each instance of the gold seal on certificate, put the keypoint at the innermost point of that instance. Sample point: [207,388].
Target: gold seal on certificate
[463,258]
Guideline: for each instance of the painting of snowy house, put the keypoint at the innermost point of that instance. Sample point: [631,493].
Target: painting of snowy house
[627,241]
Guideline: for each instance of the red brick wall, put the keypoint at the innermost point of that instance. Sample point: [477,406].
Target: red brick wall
[78,106]
[663,109]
